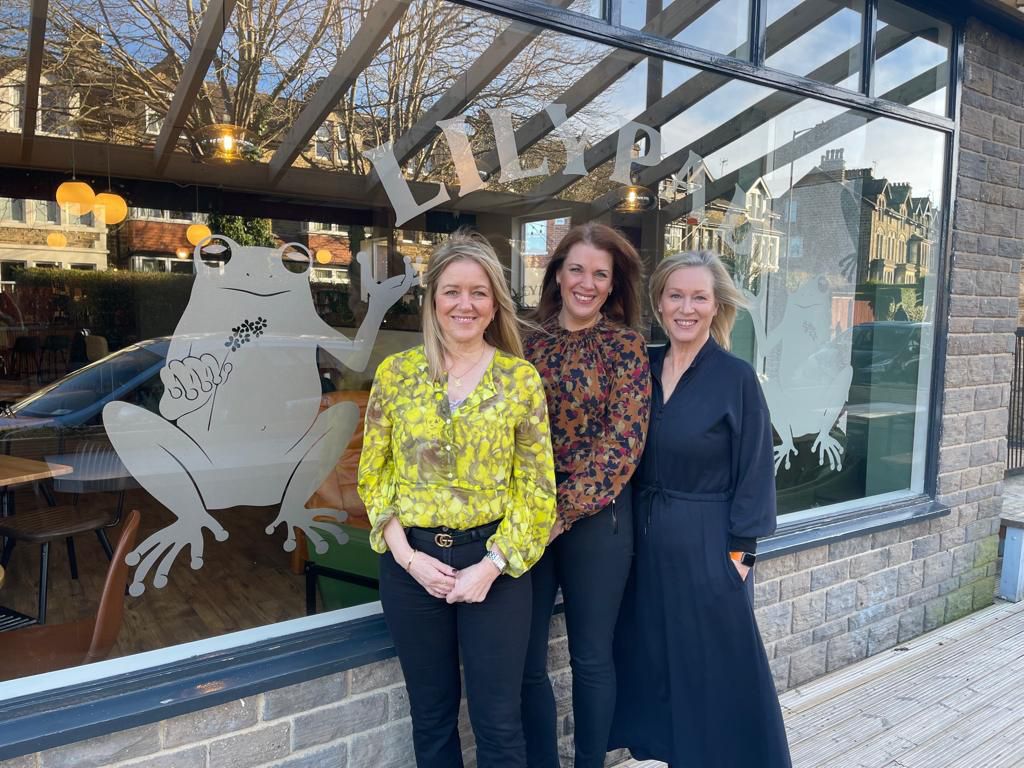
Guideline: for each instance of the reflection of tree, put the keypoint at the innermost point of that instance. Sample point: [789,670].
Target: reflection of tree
[126,58]
[244,231]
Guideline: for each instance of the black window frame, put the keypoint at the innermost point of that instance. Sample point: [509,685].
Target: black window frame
[101,706]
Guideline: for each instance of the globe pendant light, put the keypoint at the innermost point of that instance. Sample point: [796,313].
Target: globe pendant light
[115,209]
[76,197]
[197,233]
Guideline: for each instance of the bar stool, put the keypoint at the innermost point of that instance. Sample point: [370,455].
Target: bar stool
[25,352]
[55,347]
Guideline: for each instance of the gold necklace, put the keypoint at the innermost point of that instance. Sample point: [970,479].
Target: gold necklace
[458,379]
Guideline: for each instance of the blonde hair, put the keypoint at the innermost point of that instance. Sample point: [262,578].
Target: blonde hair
[503,331]
[727,296]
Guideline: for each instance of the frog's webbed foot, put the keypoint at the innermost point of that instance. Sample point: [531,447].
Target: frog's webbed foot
[310,521]
[163,547]
[828,446]
[783,453]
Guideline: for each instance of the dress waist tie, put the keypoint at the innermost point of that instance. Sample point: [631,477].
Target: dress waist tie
[657,492]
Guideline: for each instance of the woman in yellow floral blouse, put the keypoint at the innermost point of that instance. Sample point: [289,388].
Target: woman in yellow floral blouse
[458,480]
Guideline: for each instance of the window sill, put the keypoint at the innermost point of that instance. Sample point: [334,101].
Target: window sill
[96,708]
[822,531]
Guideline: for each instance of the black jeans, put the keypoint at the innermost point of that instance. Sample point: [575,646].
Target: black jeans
[591,563]
[430,636]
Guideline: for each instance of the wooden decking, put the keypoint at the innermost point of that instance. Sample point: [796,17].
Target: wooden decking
[949,699]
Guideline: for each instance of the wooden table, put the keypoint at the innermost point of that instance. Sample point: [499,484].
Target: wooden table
[15,470]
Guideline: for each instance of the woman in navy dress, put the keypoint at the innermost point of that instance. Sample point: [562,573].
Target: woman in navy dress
[695,689]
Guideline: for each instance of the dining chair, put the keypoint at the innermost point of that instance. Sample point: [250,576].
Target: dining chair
[38,649]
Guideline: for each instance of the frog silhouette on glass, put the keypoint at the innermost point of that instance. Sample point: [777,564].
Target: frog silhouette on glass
[240,420]
[813,383]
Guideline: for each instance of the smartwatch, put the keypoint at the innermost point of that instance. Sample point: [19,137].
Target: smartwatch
[743,558]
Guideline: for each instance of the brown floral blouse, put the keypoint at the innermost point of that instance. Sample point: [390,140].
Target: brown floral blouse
[598,388]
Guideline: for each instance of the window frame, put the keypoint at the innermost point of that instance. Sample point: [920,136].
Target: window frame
[100,701]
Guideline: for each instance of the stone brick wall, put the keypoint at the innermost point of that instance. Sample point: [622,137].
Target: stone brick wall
[355,719]
[824,608]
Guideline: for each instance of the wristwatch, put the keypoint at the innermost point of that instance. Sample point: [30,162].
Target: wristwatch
[743,558]
[496,557]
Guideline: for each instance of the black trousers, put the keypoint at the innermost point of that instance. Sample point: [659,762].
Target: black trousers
[591,563]
[431,636]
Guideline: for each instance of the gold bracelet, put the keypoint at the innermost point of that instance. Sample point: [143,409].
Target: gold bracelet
[408,563]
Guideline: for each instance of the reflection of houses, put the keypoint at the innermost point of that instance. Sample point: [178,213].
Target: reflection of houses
[887,229]
[154,240]
[742,230]
[31,233]
[538,240]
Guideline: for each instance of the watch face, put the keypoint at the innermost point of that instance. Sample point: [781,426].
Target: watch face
[748,559]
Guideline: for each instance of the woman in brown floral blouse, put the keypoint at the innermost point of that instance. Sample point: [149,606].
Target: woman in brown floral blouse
[597,381]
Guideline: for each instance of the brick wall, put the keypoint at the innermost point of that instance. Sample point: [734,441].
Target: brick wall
[355,719]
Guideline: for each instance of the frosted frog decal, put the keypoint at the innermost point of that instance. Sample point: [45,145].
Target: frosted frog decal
[240,411]
[813,382]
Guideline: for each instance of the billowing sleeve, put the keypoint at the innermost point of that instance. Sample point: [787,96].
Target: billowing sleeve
[752,514]
[376,478]
[616,448]
[530,514]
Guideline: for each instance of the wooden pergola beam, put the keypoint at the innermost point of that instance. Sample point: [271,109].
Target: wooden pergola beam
[33,74]
[828,131]
[302,186]
[499,54]
[204,48]
[833,71]
[669,23]
[377,25]
[782,32]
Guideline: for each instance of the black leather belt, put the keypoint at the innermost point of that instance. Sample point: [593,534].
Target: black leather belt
[445,537]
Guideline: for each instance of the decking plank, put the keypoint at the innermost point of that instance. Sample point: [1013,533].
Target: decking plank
[949,700]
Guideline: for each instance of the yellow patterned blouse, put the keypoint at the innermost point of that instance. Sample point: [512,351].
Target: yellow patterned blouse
[490,459]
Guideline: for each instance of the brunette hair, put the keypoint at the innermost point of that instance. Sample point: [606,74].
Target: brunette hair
[503,332]
[727,296]
[623,304]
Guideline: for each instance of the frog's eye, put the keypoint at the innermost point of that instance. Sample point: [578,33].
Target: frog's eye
[215,252]
[295,258]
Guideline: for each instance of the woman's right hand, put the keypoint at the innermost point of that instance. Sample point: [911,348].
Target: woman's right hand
[556,531]
[433,575]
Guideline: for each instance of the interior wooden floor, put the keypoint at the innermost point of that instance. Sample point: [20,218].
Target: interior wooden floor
[246,581]
[948,699]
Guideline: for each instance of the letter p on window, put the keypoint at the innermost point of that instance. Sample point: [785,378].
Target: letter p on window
[648,150]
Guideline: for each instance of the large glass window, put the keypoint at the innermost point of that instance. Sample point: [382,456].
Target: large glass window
[916,72]
[340,173]
[820,39]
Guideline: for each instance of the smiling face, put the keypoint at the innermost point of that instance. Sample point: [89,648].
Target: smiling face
[688,305]
[584,280]
[464,302]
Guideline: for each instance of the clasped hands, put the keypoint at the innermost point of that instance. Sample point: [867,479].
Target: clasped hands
[469,585]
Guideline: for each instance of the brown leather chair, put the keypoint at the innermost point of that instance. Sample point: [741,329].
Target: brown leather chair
[338,491]
[38,649]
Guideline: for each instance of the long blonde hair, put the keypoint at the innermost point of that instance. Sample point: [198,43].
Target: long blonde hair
[502,333]
[727,296]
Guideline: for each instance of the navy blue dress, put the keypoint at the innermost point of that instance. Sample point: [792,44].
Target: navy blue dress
[694,686]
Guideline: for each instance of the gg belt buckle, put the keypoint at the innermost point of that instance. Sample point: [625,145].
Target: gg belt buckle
[443,540]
